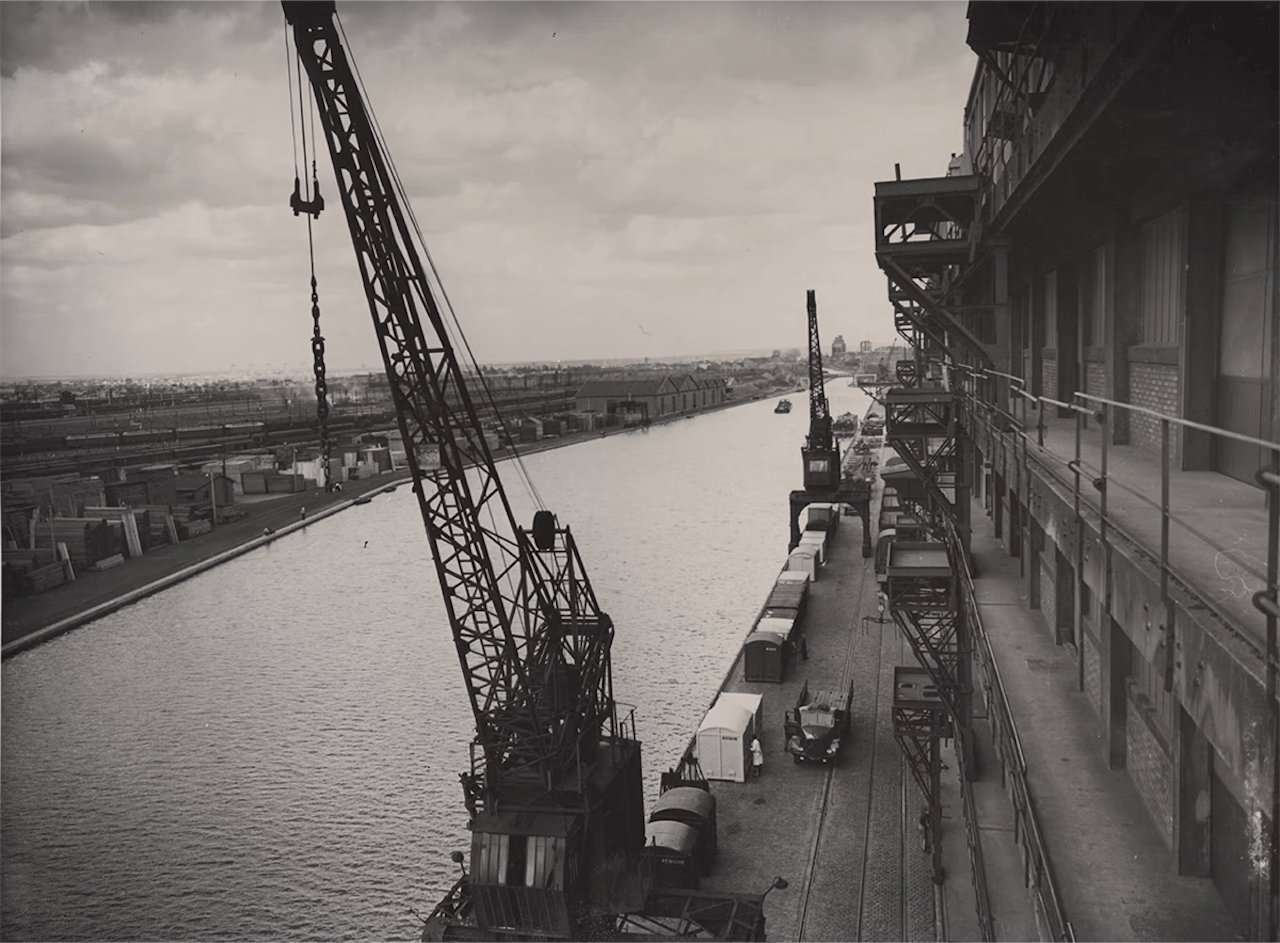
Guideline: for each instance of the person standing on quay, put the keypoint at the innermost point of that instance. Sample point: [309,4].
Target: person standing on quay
[757,757]
[304,514]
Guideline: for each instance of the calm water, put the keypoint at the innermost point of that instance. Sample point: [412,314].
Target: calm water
[271,750]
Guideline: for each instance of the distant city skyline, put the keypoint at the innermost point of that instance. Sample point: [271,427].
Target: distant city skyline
[302,371]
[594,180]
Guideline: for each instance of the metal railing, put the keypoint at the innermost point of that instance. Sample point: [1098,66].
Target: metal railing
[1037,872]
[977,865]
[1085,479]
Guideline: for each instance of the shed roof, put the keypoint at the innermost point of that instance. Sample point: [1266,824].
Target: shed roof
[649,387]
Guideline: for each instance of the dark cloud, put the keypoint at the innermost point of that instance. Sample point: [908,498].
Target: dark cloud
[152,37]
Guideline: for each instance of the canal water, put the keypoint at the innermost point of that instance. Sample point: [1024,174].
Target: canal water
[271,750]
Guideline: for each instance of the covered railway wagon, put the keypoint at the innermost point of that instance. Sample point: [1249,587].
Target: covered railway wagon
[696,807]
[670,854]
[770,649]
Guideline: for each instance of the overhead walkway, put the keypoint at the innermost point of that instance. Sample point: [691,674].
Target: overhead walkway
[1111,872]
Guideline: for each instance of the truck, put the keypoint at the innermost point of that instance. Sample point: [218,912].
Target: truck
[818,725]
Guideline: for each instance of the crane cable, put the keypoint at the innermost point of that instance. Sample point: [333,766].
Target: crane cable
[455,332]
[313,200]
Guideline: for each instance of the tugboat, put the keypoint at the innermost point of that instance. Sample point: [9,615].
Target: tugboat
[784,406]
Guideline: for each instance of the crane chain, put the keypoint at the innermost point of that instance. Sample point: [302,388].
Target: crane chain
[322,387]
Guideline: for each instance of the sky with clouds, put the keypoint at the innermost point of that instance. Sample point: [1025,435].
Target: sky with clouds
[594,180]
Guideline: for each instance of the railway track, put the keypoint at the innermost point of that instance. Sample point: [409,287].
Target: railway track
[867,876]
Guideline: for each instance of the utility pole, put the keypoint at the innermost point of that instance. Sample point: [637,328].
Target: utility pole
[213,502]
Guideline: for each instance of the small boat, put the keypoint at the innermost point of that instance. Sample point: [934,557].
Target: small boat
[784,406]
[363,499]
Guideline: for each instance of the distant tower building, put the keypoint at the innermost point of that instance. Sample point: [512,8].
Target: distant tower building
[865,347]
[837,346]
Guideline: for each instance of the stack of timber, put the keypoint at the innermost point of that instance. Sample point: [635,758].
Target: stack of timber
[160,523]
[131,531]
[88,540]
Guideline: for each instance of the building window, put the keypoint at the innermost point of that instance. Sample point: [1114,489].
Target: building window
[1161,285]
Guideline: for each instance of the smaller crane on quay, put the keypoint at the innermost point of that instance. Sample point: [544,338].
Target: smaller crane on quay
[821,452]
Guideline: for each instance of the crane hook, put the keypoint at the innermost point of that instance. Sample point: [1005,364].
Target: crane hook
[299,205]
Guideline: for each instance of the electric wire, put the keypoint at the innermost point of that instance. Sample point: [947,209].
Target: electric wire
[454,332]
[456,336]
[293,130]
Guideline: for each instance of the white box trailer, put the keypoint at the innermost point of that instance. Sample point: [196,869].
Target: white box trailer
[725,734]
[804,560]
[816,539]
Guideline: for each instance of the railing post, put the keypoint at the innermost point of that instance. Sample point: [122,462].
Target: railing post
[1271,595]
[1077,591]
[1166,602]
[1104,429]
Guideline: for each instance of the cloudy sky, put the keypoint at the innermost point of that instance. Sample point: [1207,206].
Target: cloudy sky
[594,180]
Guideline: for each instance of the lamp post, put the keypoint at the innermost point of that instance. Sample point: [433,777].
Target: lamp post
[779,883]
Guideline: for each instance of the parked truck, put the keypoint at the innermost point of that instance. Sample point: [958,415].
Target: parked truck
[818,725]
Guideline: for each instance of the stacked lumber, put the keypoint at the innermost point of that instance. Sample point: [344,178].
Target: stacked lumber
[45,578]
[128,525]
[87,540]
[160,523]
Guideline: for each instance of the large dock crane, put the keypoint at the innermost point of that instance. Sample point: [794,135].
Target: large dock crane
[554,791]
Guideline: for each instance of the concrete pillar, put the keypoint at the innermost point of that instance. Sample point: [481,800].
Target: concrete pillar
[1035,337]
[997,506]
[1069,340]
[1121,319]
[1202,313]
[1000,306]
[1191,819]
[1065,627]
[964,489]
[1117,654]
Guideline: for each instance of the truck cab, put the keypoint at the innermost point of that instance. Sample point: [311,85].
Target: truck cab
[816,728]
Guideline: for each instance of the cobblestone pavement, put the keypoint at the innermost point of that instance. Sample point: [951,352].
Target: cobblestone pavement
[854,865]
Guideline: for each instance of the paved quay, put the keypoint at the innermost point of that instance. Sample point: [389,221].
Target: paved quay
[844,836]
[1115,876]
